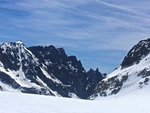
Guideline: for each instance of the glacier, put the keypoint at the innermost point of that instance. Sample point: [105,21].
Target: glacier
[30,103]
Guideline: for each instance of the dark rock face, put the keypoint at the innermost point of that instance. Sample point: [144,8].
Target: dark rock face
[145,74]
[109,87]
[67,69]
[94,75]
[136,53]
[47,70]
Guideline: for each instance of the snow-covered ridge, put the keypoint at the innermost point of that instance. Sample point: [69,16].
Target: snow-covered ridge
[128,78]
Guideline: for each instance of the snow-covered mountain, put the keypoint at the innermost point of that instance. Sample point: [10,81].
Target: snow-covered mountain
[133,75]
[44,70]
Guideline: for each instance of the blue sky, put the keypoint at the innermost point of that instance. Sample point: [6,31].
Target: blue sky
[99,33]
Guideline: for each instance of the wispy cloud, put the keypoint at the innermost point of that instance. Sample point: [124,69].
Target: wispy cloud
[122,7]
[77,25]
[74,20]
[129,13]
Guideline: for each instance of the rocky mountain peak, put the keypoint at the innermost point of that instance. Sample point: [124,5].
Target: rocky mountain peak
[12,54]
[139,51]
[8,46]
[44,70]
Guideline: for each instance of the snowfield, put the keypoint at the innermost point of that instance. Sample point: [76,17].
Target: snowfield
[28,103]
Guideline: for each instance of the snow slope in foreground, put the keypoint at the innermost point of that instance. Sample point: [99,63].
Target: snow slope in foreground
[27,103]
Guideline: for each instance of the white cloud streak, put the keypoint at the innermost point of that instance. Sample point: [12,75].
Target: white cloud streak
[67,20]
[80,26]
[123,8]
